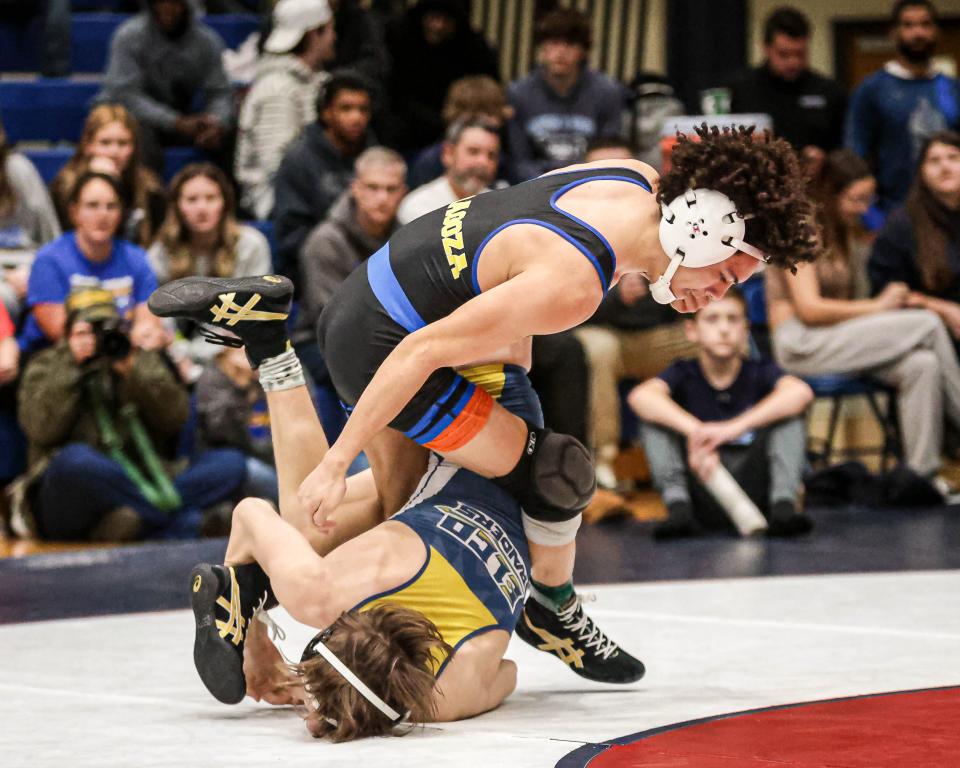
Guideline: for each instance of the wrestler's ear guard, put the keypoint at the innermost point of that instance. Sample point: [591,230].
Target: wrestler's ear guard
[699,228]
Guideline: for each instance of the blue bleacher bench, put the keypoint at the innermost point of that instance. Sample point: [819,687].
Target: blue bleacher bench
[91,35]
[49,161]
[45,110]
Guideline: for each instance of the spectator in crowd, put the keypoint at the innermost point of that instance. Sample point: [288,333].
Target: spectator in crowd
[720,407]
[563,103]
[201,236]
[55,38]
[920,244]
[470,156]
[360,46]
[27,220]
[232,413]
[469,97]
[819,327]
[162,62]
[318,166]
[9,349]
[559,376]
[91,255]
[109,144]
[103,419]
[357,226]
[807,108]
[845,189]
[283,97]
[608,148]
[895,109]
[629,337]
[431,47]
[12,447]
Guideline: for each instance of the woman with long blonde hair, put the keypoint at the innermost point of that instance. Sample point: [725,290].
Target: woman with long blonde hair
[201,236]
[110,143]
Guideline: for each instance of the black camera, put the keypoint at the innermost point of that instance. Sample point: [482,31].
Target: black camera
[112,342]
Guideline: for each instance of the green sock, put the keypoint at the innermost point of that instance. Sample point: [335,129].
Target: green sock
[553,598]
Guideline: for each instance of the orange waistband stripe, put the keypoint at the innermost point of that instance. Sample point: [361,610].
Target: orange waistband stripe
[467,424]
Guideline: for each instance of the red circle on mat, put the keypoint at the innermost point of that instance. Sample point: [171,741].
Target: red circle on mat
[916,729]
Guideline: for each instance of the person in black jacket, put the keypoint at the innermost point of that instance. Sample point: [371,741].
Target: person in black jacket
[920,244]
[807,108]
[318,167]
[432,46]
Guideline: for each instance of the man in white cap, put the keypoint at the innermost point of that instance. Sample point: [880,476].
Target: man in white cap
[282,99]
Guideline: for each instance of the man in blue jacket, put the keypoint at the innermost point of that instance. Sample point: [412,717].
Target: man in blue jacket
[896,108]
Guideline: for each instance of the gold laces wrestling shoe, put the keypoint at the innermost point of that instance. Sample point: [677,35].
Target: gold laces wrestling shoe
[573,637]
[223,609]
[253,309]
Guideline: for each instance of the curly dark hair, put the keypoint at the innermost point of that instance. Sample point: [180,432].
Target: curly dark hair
[761,176]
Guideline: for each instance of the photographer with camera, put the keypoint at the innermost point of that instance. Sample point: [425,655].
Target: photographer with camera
[91,255]
[103,419]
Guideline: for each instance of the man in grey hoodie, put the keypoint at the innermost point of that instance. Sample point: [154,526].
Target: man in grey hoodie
[283,97]
[162,62]
[361,220]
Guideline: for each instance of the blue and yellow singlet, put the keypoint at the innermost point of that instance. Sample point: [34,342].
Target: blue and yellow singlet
[476,571]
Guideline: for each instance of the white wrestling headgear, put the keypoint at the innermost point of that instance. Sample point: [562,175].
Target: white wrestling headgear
[699,229]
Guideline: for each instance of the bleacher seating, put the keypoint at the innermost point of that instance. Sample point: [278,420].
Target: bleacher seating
[49,161]
[91,35]
[45,110]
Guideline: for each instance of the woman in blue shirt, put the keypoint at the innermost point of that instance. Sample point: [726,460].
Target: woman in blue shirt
[91,256]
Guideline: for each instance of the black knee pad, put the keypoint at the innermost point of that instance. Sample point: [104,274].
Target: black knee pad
[554,478]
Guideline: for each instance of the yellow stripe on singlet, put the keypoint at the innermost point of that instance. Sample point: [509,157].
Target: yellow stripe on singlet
[441,594]
[490,377]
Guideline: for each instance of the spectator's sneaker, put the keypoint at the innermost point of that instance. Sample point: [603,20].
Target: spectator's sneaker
[253,308]
[223,612]
[570,635]
[787,521]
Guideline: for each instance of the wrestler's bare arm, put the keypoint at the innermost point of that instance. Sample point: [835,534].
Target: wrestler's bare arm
[525,305]
[477,679]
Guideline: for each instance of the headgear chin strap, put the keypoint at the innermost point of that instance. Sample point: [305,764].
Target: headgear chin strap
[699,229]
[317,647]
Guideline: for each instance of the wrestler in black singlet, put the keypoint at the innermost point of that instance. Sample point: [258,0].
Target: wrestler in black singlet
[427,270]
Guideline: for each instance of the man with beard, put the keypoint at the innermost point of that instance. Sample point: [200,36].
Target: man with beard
[470,156]
[895,109]
[161,62]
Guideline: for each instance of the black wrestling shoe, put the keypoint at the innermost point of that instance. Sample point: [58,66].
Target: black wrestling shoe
[253,308]
[223,612]
[570,635]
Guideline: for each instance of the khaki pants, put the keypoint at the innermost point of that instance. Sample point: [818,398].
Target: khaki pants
[613,355]
[909,349]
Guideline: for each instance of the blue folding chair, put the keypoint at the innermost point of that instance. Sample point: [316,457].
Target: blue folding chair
[837,388]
